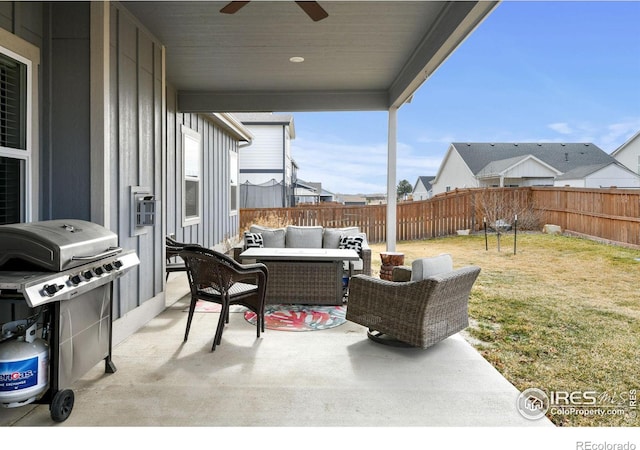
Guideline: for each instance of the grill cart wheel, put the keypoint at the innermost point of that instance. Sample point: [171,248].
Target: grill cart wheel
[62,405]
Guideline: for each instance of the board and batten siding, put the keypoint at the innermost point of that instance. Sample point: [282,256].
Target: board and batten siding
[136,78]
[217,222]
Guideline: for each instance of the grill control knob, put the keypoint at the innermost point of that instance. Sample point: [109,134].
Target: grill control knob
[51,289]
[108,267]
[75,279]
[117,263]
[98,271]
[87,275]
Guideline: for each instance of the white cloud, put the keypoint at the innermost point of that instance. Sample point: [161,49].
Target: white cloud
[357,168]
[606,136]
[561,127]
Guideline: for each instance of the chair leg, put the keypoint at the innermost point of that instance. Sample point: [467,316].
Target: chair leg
[259,319]
[192,308]
[221,321]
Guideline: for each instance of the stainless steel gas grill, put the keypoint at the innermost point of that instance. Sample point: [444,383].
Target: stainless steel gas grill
[56,279]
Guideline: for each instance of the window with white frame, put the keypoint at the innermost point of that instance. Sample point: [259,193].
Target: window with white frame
[15,146]
[191,177]
[233,176]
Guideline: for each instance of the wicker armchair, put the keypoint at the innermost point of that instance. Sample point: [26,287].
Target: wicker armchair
[217,278]
[428,308]
[172,254]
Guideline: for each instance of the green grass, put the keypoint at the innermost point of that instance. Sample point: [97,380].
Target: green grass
[562,314]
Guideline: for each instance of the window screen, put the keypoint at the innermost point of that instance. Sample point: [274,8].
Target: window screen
[13,76]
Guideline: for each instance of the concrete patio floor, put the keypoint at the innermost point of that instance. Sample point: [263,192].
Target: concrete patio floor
[335,377]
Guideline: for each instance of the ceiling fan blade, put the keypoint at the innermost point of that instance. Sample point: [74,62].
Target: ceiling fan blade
[313,10]
[233,7]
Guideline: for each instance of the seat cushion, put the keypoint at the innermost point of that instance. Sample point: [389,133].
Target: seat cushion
[236,289]
[331,236]
[428,267]
[271,237]
[303,237]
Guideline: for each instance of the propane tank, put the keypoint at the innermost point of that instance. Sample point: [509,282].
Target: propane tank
[24,364]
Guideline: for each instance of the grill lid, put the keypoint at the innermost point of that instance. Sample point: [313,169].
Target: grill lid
[55,245]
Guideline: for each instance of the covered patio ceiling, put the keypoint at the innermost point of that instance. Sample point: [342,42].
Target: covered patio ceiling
[366,55]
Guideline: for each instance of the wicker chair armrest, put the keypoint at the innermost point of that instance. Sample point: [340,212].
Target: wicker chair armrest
[377,292]
[365,254]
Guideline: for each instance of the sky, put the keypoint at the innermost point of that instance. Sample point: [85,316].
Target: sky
[540,71]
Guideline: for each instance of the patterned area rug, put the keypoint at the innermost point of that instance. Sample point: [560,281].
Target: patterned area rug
[300,317]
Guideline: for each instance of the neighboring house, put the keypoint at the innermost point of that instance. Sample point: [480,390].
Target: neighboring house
[376,199]
[353,200]
[422,189]
[604,175]
[629,153]
[469,165]
[306,192]
[267,170]
[327,196]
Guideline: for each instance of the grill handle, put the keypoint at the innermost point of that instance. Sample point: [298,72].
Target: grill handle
[111,251]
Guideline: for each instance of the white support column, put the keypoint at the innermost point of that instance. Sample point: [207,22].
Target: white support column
[391,178]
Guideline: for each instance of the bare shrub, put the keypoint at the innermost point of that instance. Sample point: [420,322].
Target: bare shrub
[271,220]
[502,206]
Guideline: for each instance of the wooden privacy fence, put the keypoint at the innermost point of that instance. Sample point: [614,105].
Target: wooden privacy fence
[608,214]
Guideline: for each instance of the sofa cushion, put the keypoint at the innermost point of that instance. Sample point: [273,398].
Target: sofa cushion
[303,237]
[253,240]
[271,237]
[428,267]
[331,236]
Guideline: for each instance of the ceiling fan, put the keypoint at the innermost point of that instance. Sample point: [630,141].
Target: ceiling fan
[313,9]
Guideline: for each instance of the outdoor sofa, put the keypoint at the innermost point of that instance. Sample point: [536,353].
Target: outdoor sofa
[293,236]
[312,280]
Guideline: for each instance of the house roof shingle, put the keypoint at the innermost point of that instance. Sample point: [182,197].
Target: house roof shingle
[426,182]
[563,157]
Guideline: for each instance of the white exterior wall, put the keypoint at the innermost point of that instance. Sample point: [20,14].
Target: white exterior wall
[530,169]
[630,154]
[569,183]
[612,176]
[420,192]
[454,173]
[288,164]
[604,178]
[265,153]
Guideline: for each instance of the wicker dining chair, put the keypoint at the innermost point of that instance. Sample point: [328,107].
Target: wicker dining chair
[172,254]
[215,277]
[428,308]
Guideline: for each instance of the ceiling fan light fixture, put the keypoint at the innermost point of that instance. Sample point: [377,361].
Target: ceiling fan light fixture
[296,59]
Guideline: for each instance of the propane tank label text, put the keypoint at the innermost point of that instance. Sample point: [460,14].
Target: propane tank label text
[16,375]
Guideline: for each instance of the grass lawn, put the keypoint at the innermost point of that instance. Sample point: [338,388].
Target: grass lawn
[560,315]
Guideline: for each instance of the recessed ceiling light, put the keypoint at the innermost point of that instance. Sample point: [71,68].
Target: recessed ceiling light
[296,59]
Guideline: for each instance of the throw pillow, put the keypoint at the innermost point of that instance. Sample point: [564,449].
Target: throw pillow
[352,243]
[253,240]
